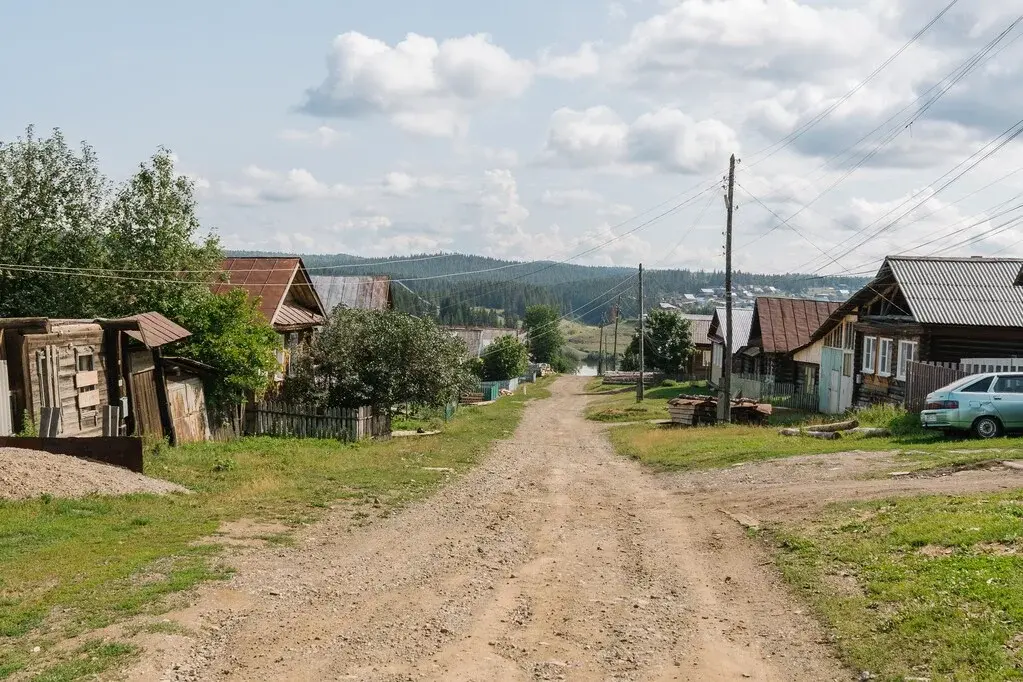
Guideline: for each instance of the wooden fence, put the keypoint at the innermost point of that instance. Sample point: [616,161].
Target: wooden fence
[923,378]
[779,394]
[627,378]
[278,418]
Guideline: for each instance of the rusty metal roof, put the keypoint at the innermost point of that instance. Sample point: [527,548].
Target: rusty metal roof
[701,328]
[155,330]
[742,319]
[276,282]
[783,325]
[361,292]
[960,291]
[291,317]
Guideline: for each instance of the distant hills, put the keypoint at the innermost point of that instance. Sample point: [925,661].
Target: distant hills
[469,289]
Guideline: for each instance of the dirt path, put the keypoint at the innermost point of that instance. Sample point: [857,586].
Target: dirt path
[554,559]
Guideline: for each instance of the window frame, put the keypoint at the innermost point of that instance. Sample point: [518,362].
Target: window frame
[869,350]
[995,388]
[884,359]
[990,386]
[902,368]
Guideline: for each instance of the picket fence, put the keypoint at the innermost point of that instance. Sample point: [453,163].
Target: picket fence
[779,394]
[279,418]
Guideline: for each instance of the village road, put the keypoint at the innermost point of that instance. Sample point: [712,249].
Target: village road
[553,559]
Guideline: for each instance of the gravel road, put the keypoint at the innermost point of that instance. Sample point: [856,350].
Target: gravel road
[554,559]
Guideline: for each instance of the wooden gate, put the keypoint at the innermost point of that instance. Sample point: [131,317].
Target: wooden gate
[924,377]
[146,404]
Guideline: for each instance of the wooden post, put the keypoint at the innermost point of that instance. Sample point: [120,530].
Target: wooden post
[162,397]
[725,403]
[640,388]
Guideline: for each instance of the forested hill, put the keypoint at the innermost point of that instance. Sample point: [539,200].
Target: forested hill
[462,286]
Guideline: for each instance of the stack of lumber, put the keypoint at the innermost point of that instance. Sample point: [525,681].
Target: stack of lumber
[831,431]
[471,399]
[627,378]
[693,410]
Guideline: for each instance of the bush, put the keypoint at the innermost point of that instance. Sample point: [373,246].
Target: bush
[892,417]
[564,363]
[506,358]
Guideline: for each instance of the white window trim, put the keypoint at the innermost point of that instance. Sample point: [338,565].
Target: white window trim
[887,356]
[902,368]
[869,344]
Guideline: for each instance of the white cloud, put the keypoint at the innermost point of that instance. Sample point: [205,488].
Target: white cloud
[616,11]
[297,184]
[666,140]
[323,136]
[422,86]
[579,64]
[402,184]
[564,198]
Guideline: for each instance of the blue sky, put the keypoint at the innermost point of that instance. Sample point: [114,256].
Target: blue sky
[530,129]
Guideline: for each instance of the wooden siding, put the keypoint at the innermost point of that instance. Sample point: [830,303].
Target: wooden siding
[188,409]
[146,404]
[59,351]
[872,388]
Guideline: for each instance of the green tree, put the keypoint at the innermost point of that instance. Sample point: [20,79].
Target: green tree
[380,358]
[506,358]
[51,202]
[230,334]
[543,332]
[151,226]
[669,343]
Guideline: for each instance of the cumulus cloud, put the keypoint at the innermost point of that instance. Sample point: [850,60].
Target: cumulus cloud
[297,184]
[422,86]
[323,136]
[402,184]
[666,140]
[579,64]
[566,198]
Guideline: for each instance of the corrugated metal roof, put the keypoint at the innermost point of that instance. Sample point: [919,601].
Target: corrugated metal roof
[478,338]
[701,328]
[366,293]
[961,291]
[785,324]
[289,316]
[742,319]
[1019,278]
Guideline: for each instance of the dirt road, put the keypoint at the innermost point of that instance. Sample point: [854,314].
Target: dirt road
[554,559]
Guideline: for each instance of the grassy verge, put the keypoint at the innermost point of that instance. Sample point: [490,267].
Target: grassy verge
[68,567]
[620,404]
[926,588]
[586,338]
[682,449]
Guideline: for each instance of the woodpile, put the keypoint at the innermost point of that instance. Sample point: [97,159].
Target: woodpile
[632,378]
[694,410]
[835,431]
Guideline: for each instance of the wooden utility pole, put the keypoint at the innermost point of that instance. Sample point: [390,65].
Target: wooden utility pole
[614,354]
[725,401]
[642,341]
[600,356]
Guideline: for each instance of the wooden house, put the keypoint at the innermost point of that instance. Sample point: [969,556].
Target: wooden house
[64,376]
[943,310]
[782,326]
[287,297]
[742,320]
[699,366]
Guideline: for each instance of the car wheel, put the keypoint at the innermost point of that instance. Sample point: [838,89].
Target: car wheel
[987,427]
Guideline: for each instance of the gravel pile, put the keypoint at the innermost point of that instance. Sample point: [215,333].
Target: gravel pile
[30,473]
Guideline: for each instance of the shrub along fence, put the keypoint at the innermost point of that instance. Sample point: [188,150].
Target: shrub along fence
[279,418]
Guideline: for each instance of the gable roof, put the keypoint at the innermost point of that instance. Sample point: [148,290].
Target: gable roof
[971,292]
[151,329]
[155,330]
[701,328]
[362,292]
[783,325]
[271,280]
[742,321]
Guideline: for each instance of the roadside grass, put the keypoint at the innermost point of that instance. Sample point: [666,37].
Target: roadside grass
[586,338]
[621,406]
[925,588]
[68,567]
[682,449]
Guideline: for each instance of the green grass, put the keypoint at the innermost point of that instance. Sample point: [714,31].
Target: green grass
[586,338]
[681,449]
[68,567]
[620,404]
[928,587]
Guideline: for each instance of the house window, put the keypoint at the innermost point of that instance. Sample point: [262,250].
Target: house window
[849,337]
[869,354]
[884,358]
[847,364]
[86,362]
[908,352]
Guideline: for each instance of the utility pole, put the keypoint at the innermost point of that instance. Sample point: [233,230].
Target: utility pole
[600,356]
[725,402]
[642,340]
[614,354]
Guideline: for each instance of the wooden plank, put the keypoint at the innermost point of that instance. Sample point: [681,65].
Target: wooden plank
[84,379]
[88,399]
